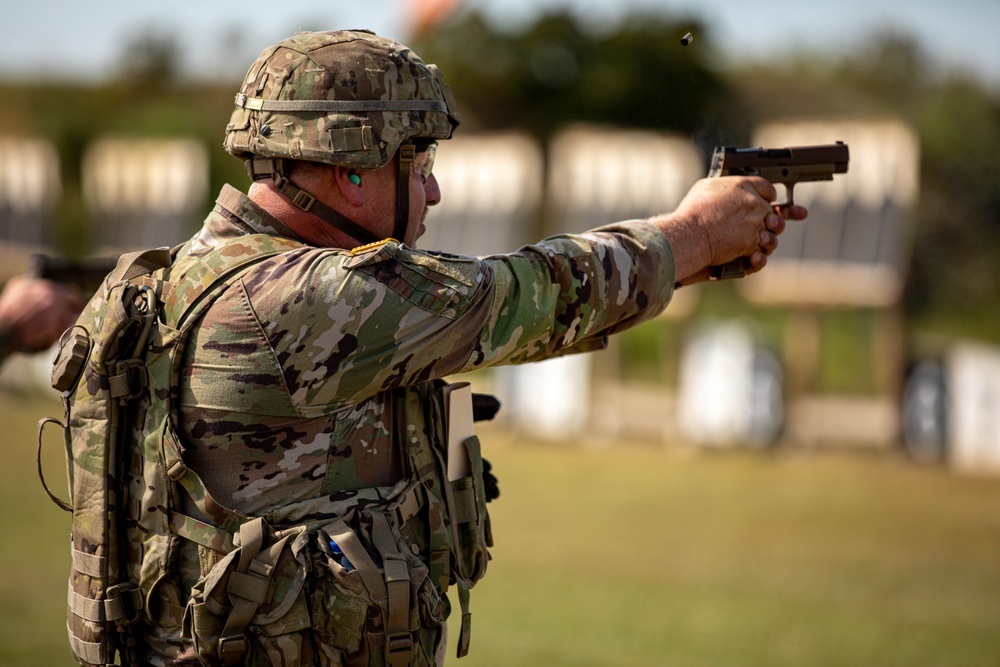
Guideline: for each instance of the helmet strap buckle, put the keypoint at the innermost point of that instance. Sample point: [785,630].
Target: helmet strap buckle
[259,168]
[303,200]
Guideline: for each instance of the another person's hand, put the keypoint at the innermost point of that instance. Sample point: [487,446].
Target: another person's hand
[34,312]
[722,219]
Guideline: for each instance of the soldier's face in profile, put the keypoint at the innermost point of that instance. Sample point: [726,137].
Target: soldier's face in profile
[424,193]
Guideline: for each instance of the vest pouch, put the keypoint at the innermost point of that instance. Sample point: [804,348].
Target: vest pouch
[472,521]
[251,608]
[372,601]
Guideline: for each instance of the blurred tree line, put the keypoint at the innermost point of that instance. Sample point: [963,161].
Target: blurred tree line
[145,96]
[555,71]
[637,74]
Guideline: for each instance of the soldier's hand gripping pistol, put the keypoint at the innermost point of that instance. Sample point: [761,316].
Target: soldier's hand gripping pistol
[787,166]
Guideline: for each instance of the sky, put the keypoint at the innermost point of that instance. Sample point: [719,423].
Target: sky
[83,40]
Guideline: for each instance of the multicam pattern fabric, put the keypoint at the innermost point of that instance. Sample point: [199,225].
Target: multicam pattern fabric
[306,393]
[390,94]
[289,392]
[285,383]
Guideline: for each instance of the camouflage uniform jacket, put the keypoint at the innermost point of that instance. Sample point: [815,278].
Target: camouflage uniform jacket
[284,385]
[287,381]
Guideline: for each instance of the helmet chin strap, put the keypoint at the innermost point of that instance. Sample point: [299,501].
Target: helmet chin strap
[407,153]
[274,168]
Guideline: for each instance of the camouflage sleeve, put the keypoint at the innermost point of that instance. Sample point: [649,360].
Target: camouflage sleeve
[568,293]
[346,326]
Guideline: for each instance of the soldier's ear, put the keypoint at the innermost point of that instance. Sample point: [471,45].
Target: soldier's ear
[348,181]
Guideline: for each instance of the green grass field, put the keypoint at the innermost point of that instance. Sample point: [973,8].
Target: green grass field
[639,555]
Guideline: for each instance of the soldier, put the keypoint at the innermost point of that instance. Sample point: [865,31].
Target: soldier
[33,312]
[318,521]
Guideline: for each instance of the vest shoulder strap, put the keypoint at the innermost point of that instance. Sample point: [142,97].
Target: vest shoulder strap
[197,279]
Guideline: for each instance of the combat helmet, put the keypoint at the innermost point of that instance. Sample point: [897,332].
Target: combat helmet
[347,98]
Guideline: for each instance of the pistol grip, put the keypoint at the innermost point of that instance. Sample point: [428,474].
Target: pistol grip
[730,270]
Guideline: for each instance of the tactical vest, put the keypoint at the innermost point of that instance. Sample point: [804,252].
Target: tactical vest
[357,581]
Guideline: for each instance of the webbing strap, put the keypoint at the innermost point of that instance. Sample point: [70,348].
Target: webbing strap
[245,591]
[227,519]
[97,611]
[196,281]
[391,593]
[449,501]
[465,634]
[195,277]
[86,608]
[408,502]
[93,653]
[134,264]
[310,204]
[339,106]
[399,642]
[251,541]
[201,533]
[349,543]
[407,154]
[464,495]
[89,564]
[119,385]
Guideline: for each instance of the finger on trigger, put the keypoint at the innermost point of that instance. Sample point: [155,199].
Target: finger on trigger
[764,188]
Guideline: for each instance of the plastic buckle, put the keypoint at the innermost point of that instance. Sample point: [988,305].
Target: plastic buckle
[129,380]
[232,649]
[398,649]
[408,504]
[407,152]
[304,200]
[128,599]
[176,470]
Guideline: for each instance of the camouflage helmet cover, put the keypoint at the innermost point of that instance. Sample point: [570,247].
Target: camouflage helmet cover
[346,98]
